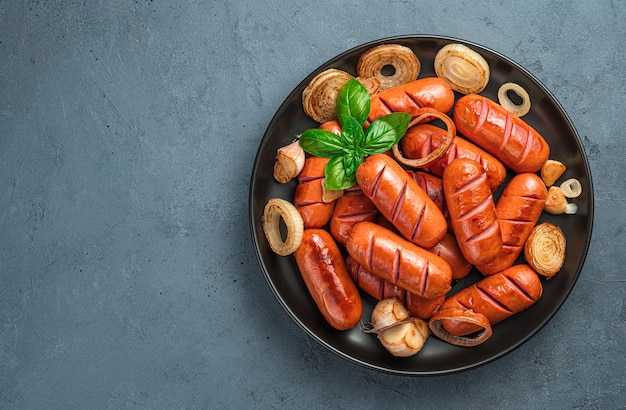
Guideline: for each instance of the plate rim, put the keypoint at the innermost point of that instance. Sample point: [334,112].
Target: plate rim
[420,37]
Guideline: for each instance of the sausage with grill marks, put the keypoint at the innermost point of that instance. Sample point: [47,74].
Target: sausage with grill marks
[396,260]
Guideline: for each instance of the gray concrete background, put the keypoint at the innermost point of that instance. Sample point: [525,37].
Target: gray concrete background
[127,135]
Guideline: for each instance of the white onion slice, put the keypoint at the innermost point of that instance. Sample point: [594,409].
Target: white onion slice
[515,109]
[462,68]
[571,188]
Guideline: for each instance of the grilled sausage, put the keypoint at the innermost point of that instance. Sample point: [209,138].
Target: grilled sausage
[324,272]
[308,198]
[506,136]
[399,261]
[399,198]
[352,207]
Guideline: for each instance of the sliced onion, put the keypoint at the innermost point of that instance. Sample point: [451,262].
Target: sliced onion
[545,249]
[405,63]
[515,109]
[319,98]
[462,68]
[422,114]
[461,315]
[572,188]
[275,209]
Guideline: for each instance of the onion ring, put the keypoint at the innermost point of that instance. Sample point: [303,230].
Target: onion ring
[275,209]
[460,315]
[465,70]
[571,188]
[515,109]
[422,114]
[319,98]
[405,63]
[545,249]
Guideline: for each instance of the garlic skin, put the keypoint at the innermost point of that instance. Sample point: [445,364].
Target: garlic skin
[406,338]
[289,162]
[388,312]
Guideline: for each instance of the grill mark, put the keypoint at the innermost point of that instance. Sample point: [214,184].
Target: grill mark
[414,100]
[376,182]
[479,208]
[357,216]
[490,230]
[369,252]
[482,178]
[488,296]
[418,225]
[385,105]
[517,286]
[508,128]
[484,111]
[530,137]
[397,206]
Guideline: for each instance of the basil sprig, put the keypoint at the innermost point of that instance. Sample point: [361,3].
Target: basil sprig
[348,150]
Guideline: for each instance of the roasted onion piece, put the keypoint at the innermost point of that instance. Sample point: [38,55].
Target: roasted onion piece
[319,98]
[373,62]
[462,68]
[423,114]
[275,209]
[460,315]
[515,109]
[545,249]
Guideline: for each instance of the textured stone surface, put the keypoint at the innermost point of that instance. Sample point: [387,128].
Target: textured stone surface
[127,272]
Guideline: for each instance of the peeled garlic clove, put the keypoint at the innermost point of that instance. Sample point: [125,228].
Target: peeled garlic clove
[289,162]
[388,312]
[551,171]
[404,339]
[556,203]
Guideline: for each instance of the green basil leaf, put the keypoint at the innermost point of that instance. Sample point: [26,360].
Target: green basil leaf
[335,175]
[353,100]
[385,132]
[351,162]
[352,134]
[321,143]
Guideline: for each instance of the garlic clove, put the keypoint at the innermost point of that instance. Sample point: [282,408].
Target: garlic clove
[551,171]
[404,339]
[556,203]
[289,162]
[388,312]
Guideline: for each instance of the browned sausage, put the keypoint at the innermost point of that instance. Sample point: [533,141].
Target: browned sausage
[352,207]
[432,186]
[425,92]
[518,209]
[324,272]
[422,139]
[398,197]
[382,289]
[504,135]
[308,198]
[472,210]
[448,249]
[399,261]
[496,297]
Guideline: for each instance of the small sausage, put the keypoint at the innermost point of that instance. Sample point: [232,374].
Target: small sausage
[518,209]
[352,207]
[326,276]
[399,198]
[506,136]
[448,249]
[432,186]
[422,139]
[472,210]
[399,261]
[425,92]
[382,289]
[496,297]
[308,198]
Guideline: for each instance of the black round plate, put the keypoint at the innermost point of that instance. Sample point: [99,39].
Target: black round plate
[546,116]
